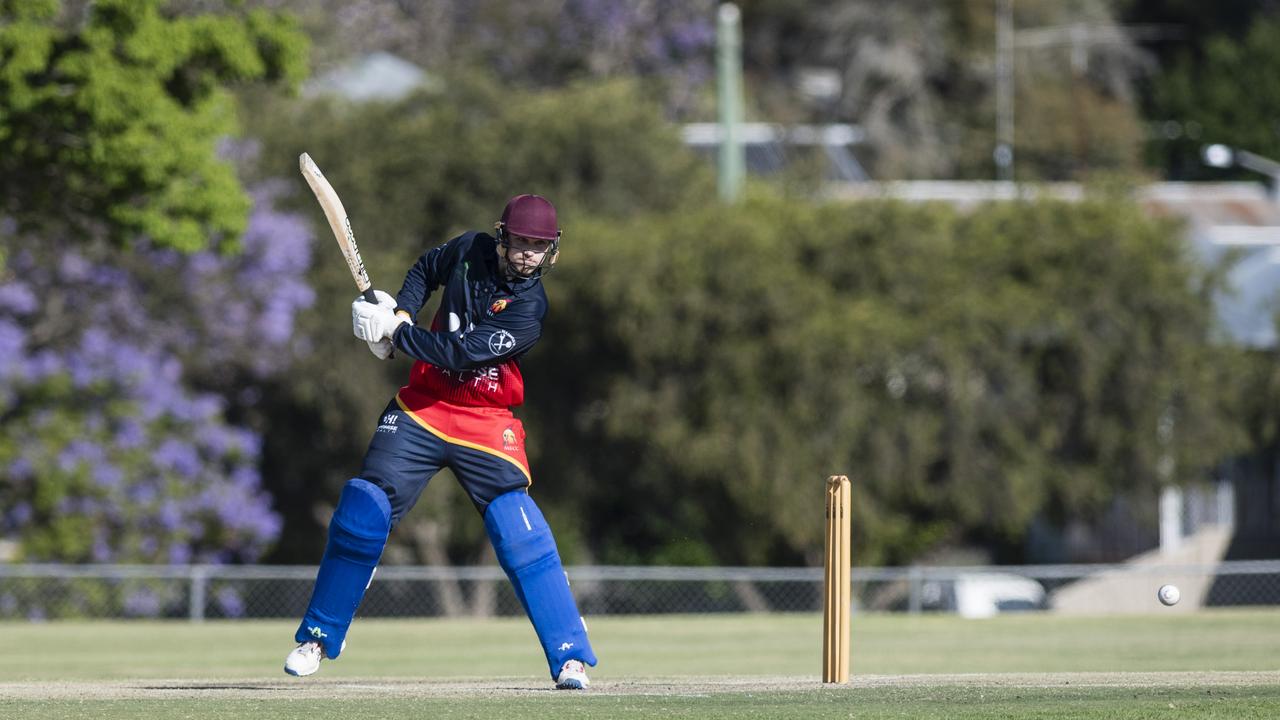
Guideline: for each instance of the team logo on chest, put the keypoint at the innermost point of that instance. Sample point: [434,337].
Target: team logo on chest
[498,306]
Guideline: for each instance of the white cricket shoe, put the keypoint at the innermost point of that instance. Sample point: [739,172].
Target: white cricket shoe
[305,659]
[573,676]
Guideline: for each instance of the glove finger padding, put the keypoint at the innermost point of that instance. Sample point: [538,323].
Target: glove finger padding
[372,322]
[381,349]
[364,320]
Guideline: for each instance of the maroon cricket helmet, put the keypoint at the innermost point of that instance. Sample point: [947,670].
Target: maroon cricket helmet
[531,216]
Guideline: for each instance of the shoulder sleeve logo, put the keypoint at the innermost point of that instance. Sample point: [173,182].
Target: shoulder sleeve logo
[501,341]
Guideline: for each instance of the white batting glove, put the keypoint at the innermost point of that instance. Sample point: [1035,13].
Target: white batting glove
[374,322]
[382,349]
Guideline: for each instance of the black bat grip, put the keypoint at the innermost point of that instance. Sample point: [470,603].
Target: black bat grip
[370,297]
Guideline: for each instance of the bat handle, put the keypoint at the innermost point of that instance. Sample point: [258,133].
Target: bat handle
[370,297]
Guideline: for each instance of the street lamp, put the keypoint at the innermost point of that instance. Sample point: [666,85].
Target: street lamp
[1225,156]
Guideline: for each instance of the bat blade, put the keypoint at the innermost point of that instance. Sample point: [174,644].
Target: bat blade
[339,222]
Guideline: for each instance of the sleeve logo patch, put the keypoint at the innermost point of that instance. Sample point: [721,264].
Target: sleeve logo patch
[498,306]
[500,342]
[509,440]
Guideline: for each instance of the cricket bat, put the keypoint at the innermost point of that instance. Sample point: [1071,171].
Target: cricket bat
[339,223]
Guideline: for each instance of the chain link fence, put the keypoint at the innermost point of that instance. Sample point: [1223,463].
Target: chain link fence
[197,592]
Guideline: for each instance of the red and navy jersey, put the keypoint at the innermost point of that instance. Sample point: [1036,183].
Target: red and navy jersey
[470,354]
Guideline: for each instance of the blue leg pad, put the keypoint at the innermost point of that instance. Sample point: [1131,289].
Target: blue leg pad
[357,534]
[527,552]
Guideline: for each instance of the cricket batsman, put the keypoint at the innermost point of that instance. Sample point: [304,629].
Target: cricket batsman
[455,412]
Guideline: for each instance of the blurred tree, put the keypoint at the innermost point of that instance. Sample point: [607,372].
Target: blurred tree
[919,78]
[972,372]
[535,43]
[132,340]
[413,174]
[703,363]
[110,124]
[115,395]
[1225,93]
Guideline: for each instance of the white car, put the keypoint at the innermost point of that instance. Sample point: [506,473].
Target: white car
[984,594]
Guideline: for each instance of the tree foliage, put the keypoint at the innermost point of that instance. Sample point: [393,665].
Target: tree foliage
[119,378]
[132,342]
[112,124]
[706,367]
[1228,93]
[413,174]
[970,371]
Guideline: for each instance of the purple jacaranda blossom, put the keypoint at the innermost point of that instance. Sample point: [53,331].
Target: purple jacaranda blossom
[165,257]
[13,343]
[17,298]
[104,404]
[142,493]
[179,553]
[248,444]
[217,440]
[21,468]
[195,408]
[142,603]
[170,515]
[21,513]
[229,602]
[79,452]
[215,557]
[107,476]
[260,522]
[101,551]
[130,434]
[43,364]
[246,478]
[204,263]
[74,267]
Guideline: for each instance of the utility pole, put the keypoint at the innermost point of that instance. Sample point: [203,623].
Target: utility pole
[1003,154]
[732,159]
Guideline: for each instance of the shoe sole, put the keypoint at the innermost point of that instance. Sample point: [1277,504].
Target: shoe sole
[295,673]
[571,685]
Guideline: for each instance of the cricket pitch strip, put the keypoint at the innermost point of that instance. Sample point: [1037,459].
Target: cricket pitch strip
[349,688]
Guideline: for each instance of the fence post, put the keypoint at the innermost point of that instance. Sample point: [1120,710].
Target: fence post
[1226,504]
[199,589]
[915,589]
[1171,510]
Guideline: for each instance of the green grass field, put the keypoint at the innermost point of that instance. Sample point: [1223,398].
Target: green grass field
[1206,665]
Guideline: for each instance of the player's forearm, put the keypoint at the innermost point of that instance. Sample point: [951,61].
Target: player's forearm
[439,349]
[483,347]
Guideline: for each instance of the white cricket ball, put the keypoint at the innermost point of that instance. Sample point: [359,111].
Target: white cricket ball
[1169,594]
